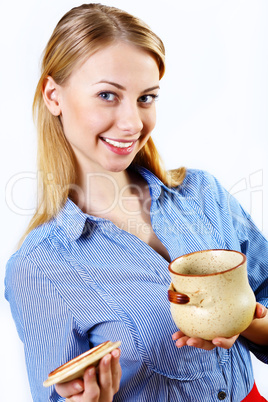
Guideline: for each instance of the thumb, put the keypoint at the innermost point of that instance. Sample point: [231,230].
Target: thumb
[70,388]
[260,311]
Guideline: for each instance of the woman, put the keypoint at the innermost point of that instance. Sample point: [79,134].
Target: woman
[94,264]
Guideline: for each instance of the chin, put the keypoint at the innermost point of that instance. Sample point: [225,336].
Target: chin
[118,167]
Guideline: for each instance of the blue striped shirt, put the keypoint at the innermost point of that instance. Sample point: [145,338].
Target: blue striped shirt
[80,280]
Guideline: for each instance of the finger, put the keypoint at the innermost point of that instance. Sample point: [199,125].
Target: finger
[225,343]
[92,390]
[260,311]
[200,343]
[105,378]
[177,335]
[182,341]
[116,370]
[70,388]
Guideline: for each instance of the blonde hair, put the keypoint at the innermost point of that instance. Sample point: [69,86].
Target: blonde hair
[81,32]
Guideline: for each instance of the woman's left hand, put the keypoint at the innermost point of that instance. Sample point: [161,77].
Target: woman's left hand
[257,331]
[183,340]
[225,343]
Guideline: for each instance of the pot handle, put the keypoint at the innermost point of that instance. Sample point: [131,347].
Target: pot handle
[177,298]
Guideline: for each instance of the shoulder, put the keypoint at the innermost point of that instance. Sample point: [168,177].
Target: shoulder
[32,252]
[26,275]
[36,238]
[201,182]
[205,190]
[194,176]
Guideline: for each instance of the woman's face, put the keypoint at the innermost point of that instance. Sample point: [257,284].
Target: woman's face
[107,107]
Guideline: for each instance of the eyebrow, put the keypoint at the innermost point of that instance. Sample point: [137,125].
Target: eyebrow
[123,88]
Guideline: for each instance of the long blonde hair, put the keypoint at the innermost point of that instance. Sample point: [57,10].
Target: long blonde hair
[81,32]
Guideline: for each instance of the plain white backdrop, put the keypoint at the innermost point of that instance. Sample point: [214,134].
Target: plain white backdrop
[212,115]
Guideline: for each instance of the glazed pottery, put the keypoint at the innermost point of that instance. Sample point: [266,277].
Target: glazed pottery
[210,294]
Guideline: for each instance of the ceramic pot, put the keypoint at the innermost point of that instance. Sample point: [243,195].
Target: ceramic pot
[210,295]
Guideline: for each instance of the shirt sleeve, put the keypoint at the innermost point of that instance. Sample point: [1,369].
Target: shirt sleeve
[44,323]
[255,246]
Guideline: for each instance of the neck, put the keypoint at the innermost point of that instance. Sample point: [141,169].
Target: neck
[98,193]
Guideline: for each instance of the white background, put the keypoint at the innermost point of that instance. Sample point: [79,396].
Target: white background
[212,114]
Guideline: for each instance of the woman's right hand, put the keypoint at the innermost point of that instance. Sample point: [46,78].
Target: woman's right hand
[90,389]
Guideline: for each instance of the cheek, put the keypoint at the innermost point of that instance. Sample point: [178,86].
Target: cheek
[148,126]
[80,122]
[70,116]
[149,122]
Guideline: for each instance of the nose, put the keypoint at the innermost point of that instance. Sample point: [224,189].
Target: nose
[129,119]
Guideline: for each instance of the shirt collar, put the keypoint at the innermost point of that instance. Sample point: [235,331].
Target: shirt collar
[71,219]
[155,185]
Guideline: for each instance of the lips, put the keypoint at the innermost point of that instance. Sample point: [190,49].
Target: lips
[122,147]
[118,144]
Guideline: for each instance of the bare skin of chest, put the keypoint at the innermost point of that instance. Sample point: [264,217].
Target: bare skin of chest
[140,226]
[132,214]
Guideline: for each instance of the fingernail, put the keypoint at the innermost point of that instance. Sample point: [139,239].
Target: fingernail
[175,335]
[191,343]
[91,372]
[178,343]
[216,343]
[116,353]
[107,360]
[78,387]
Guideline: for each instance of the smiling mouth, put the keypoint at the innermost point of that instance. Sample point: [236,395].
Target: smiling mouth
[118,144]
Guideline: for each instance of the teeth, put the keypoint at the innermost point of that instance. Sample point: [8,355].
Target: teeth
[118,144]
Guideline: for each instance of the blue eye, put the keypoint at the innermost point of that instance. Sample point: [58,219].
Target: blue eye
[107,96]
[148,99]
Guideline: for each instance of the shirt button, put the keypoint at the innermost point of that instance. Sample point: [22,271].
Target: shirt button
[222,395]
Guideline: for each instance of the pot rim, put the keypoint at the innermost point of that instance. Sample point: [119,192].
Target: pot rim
[244,258]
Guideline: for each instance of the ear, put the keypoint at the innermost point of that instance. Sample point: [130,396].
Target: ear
[50,92]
